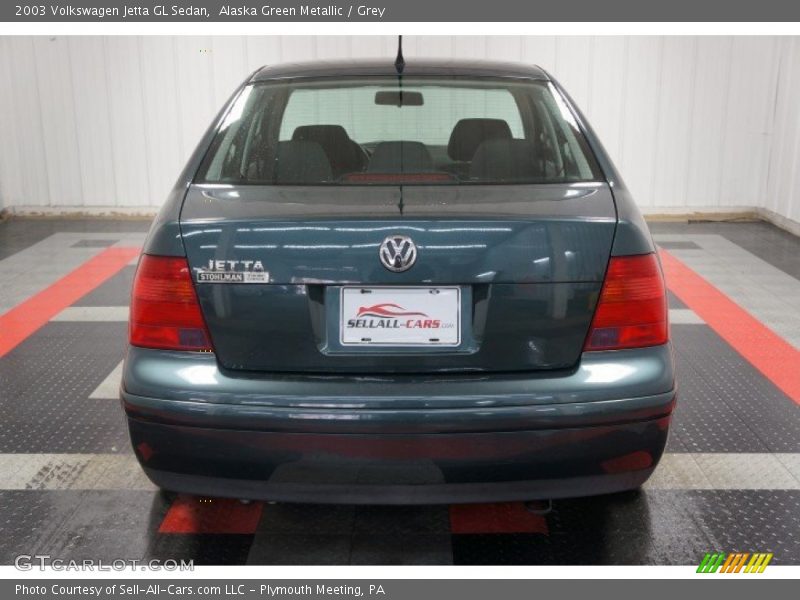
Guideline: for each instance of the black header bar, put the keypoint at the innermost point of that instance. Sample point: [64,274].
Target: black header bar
[401,10]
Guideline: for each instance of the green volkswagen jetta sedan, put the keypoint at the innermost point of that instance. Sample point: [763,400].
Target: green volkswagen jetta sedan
[375,284]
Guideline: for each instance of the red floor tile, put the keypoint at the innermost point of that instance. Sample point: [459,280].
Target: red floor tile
[20,322]
[194,514]
[777,359]
[507,517]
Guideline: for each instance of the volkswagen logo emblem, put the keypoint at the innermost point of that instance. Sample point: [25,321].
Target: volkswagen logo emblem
[398,253]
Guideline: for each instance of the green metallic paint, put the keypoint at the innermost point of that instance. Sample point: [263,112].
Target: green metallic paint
[598,424]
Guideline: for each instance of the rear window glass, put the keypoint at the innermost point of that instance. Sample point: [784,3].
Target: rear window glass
[379,131]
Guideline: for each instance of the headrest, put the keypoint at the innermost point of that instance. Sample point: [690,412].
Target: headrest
[507,160]
[301,163]
[400,157]
[324,135]
[468,134]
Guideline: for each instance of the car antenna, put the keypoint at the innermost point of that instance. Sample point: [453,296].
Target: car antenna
[399,62]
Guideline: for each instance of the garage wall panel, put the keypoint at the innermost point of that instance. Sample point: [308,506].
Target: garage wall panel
[28,134]
[299,47]
[194,75]
[260,51]
[129,147]
[507,46]
[162,129]
[783,193]
[573,65]
[228,65]
[57,111]
[10,164]
[469,46]
[540,50]
[332,48]
[93,126]
[427,46]
[607,99]
[639,126]
[749,121]
[371,46]
[674,125]
[692,122]
[711,82]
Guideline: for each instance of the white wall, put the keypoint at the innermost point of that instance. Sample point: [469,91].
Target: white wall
[783,192]
[694,123]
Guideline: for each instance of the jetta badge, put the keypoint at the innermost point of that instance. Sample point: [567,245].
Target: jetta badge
[398,253]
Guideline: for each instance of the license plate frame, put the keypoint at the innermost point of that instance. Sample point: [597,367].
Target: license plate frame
[406,322]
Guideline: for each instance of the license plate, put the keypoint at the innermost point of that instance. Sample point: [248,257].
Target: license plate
[400,316]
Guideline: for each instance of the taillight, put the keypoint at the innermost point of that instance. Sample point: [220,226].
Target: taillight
[632,309]
[165,312]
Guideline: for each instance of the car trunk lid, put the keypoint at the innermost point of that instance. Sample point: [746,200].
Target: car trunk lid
[518,268]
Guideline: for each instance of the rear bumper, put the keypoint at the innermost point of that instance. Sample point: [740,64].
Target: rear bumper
[400,469]
[382,440]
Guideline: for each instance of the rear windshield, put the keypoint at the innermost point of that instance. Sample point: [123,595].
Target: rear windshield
[377,131]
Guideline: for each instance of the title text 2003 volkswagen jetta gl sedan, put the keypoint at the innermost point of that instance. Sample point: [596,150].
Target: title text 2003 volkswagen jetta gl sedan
[373,287]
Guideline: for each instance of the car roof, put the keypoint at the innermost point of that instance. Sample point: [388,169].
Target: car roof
[385,67]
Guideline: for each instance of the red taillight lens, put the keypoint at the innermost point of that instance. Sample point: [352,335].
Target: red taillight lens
[165,312]
[632,310]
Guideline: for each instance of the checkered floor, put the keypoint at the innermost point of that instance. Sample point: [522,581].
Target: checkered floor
[70,486]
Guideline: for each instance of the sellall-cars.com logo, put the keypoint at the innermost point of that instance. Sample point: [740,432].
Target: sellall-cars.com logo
[394,316]
[736,562]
